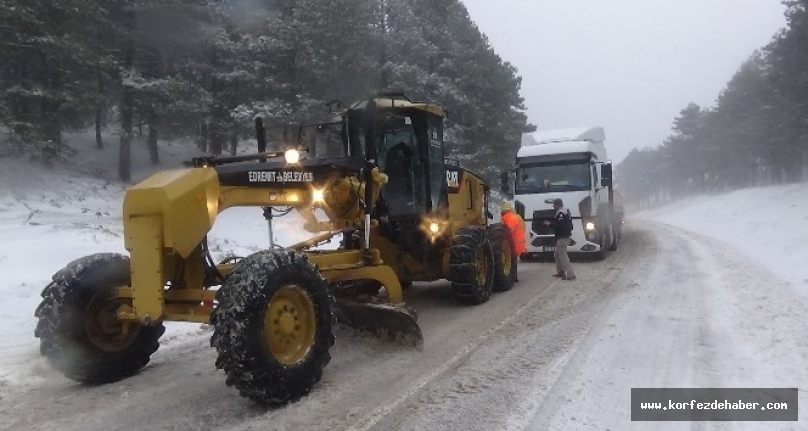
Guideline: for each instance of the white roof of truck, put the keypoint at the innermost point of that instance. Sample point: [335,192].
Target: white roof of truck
[594,134]
[563,141]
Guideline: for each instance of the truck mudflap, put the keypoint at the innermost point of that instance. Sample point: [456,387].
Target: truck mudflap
[396,323]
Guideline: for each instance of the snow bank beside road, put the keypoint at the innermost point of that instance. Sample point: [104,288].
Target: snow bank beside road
[767,224]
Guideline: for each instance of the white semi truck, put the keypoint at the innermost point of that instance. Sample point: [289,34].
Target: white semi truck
[569,164]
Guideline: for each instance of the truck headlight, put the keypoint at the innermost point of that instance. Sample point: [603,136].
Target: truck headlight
[292,156]
[434,228]
[589,226]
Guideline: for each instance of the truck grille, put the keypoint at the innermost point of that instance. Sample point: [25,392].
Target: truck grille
[544,241]
[538,222]
[548,241]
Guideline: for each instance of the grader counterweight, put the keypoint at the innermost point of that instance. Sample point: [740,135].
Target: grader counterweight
[376,171]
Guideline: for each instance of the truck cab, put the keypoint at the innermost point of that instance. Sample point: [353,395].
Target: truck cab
[569,164]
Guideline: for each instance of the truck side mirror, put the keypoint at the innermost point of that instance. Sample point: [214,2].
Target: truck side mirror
[503,182]
[606,175]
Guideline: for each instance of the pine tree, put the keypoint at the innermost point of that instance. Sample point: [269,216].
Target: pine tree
[47,69]
[789,77]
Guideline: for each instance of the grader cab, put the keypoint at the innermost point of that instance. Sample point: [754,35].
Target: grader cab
[378,175]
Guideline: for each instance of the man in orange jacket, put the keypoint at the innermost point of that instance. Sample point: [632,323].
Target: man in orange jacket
[516,225]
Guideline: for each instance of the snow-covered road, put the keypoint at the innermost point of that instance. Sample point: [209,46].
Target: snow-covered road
[690,313]
[669,309]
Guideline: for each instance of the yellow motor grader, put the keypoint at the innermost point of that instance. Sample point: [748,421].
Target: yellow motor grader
[375,178]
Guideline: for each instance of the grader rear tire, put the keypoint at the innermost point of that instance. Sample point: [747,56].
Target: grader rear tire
[273,327]
[78,330]
[505,259]
[471,265]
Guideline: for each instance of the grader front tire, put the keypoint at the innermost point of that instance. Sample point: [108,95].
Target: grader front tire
[471,265]
[78,330]
[505,259]
[273,327]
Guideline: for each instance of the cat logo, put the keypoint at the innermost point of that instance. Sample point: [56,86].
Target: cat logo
[452,179]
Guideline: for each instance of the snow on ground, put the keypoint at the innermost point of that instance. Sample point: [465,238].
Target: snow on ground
[767,224]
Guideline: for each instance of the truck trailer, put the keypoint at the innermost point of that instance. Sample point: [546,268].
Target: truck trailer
[570,164]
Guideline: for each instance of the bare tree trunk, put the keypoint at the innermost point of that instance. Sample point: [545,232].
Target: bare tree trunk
[216,141]
[127,102]
[52,133]
[218,116]
[384,79]
[99,142]
[795,165]
[233,143]
[284,137]
[203,137]
[99,110]
[125,150]
[52,127]
[151,142]
[154,155]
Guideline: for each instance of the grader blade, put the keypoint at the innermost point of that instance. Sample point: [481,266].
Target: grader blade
[397,324]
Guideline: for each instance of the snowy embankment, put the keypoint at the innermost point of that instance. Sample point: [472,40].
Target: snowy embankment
[767,224]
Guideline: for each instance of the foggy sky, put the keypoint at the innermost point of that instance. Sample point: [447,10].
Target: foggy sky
[627,65]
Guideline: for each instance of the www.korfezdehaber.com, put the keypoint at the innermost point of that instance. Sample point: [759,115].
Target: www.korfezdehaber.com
[715,405]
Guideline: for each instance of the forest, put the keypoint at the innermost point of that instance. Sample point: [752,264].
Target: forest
[202,70]
[755,135]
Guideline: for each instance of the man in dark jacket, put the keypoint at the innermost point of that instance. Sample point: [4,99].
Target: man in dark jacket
[562,225]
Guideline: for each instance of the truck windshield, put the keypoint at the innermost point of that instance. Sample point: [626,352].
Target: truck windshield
[547,178]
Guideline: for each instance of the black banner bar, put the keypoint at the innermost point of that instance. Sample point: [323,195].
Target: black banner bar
[711,404]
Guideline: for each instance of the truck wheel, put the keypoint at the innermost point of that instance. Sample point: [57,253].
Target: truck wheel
[471,265]
[615,237]
[605,241]
[78,329]
[505,260]
[273,327]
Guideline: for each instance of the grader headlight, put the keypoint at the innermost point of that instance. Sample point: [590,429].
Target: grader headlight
[434,228]
[317,196]
[292,156]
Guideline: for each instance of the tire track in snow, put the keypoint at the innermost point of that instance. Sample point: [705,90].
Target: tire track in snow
[653,335]
[480,389]
[372,418]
